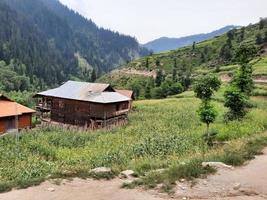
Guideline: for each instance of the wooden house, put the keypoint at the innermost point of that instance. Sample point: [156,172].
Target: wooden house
[91,105]
[14,116]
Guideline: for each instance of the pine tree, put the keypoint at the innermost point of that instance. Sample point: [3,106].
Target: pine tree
[262,23]
[159,78]
[148,91]
[175,63]
[147,63]
[157,63]
[265,37]
[203,59]
[93,76]
[259,39]
[174,75]
[242,34]
[194,46]
[174,71]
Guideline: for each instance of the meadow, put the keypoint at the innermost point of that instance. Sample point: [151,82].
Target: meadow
[160,134]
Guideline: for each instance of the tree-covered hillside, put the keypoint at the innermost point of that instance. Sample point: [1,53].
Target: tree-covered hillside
[46,43]
[216,55]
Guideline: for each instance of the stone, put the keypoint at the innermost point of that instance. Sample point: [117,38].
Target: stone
[51,189]
[127,182]
[216,165]
[237,186]
[183,188]
[101,170]
[205,183]
[182,180]
[127,174]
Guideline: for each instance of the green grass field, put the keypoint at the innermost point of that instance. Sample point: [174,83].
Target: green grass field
[160,134]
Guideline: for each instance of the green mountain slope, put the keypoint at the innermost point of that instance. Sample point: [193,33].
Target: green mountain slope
[214,55]
[47,43]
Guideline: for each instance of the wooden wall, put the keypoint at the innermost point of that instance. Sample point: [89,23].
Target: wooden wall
[2,125]
[80,112]
[25,121]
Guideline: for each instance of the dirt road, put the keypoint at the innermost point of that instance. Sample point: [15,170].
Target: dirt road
[79,189]
[248,182]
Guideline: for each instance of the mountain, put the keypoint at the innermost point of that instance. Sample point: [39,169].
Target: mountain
[167,44]
[152,75]
[44,43]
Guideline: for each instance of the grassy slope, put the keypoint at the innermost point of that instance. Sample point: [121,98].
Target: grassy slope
[161,133]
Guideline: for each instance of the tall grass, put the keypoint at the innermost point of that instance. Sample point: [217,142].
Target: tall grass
[160,133]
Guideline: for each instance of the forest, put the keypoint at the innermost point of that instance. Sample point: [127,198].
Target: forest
[47,45]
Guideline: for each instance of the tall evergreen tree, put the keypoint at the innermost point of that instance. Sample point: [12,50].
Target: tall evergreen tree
[93,76]
[242,34]
[259,39]
[159,78]
[174,74]
[194,46]
[265,37]
[148,90]
[262,23]
[147,63]
[157,63]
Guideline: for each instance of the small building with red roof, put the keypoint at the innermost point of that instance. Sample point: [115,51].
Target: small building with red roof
[14,116]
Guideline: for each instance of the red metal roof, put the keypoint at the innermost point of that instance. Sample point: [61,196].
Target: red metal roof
[10,108]
[127,93]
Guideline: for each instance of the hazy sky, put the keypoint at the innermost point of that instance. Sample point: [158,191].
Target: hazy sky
[150,19]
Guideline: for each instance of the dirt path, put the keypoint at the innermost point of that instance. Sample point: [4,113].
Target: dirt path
[259,80]
[135,72]
[249,181]
[246,182]
[79,189]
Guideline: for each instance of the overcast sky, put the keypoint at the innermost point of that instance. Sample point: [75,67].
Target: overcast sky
[150,19]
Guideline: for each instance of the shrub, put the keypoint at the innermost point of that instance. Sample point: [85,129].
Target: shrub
[237,102]
[205,86]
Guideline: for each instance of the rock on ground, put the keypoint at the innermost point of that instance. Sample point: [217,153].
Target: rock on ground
[127,174]
[217,165]
[101,170]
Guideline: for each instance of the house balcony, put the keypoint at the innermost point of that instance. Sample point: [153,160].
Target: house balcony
[121,112]
[43,107]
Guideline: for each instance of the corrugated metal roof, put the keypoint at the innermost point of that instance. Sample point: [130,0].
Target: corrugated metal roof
[10,108]
[108,97]
[83,91]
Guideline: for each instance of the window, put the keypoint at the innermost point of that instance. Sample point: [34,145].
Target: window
[124,106]
[61,104]
[117,107]
[11,124]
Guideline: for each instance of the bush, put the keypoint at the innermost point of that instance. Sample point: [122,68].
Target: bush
[205,87]
[237,102]
[158,93]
